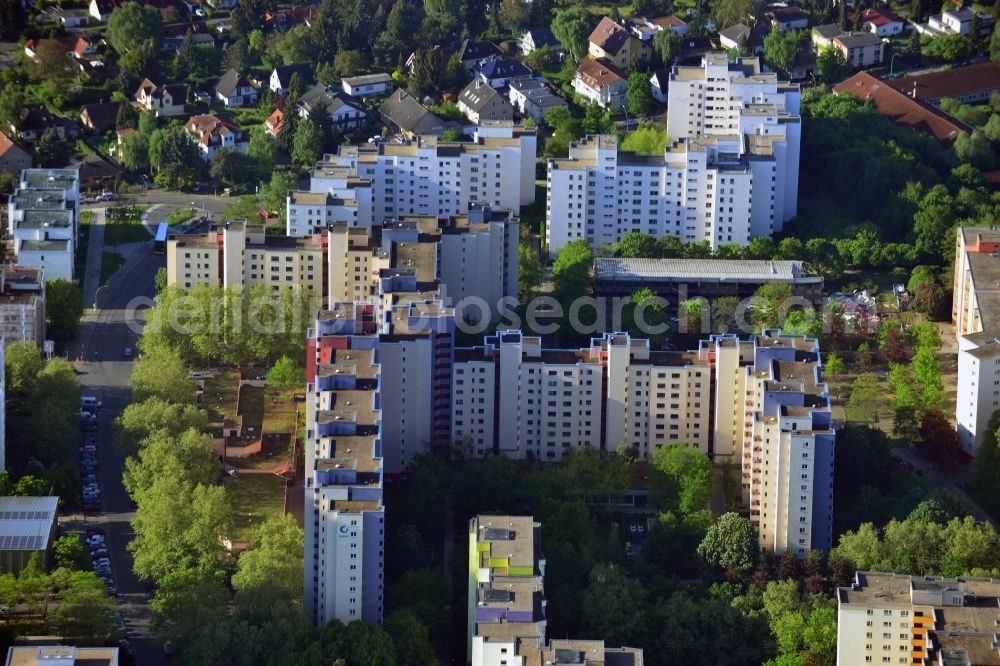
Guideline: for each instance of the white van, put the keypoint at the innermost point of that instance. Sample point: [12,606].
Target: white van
[89,402]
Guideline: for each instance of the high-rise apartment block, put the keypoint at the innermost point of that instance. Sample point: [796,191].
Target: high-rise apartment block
[507,603]
[759,403]
[885,618]
[975,315]
[468,260]
[43,220]
[729,175]
[364,185]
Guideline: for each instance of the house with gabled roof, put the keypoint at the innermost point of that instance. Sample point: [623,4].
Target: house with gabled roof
[480,101]
[281,77]
[213,133]
[401,112]
[165,100]
[474,50]
[601,82]
[617,45]
[498,72]
[235,91]
[13,157]
[344,112]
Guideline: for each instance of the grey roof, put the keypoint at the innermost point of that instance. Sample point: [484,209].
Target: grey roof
[537,92]
[285,73]
[331,100]
[403,111]
[26,522]
[44,246]
[731,270]
[39,219]
[50,179]
[828,30]
[477,95]
[32,199]
[662,77]
[367,79]
[473,49]
[541,37]
[229,82]
[738,33]
[855,40]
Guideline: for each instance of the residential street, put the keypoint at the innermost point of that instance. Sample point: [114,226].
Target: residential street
[103,336]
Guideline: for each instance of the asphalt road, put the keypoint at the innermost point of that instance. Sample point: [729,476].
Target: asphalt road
[207,205]
[103,336]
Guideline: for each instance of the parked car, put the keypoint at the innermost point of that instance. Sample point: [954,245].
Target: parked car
[128,352]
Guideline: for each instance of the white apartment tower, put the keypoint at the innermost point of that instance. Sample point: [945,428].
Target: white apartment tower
[731,173]
[43,220]
[422,176]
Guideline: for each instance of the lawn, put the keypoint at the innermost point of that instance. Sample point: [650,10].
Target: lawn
[180,215]
[110,262]
[255,498]
[118,233]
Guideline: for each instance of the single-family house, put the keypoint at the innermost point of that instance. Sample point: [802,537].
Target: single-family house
[601,82]
[862,49]
[36,120]
[344,112]
[99,117]
[235,91]
[880,22]
[70,18]
[743,36]
[101,9]
[166,100]
[97,172]
[281,77]
[617,45]
[698,45]
[658,85]
[480,101]
[498,72]
[213,133]
[536,38]
[670,22]
[533,98]
[823,35]
[13,157]
[402,113]
[474,50]
[954,22]
[787,18]
[274,122]
[368,85]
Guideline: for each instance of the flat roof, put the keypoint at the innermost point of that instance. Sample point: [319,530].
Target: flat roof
[35,655]
[64,179]
[44,246]
[693,270]
[26,522]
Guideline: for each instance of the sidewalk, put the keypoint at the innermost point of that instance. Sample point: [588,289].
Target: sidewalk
[95,249]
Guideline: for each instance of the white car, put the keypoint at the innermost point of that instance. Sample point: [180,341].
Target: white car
[199,12]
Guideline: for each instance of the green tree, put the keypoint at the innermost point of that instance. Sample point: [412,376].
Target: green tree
[948,48]
[529,273]
[174,156]
[637,95]
[82,608]
[834,364]
[63,309]
[272,558]
[729,548]
[865,397]
[141,419]
[308,144]
[668,46]
[730,12]
[52,410]
[647,139]
[286,373]
[410,639]
[515,14]
[227,165]
[22,363]
[188,459]
[52,150]
[773,299]
[11,104]
[974,149]
[995,46]
[70,553]
[572,28]
[133,24]
[780,47]
[832,64]
[571,269]
[133,152]
[693,471]
[260,154]
[635,244]
[930,298]
[613,605]
[161,373]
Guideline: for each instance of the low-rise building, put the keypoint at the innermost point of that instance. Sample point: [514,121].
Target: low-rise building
[405,115]
[275,122]
[881,22]
[678,280]
[823,35]
[61,655]
[497,72]
[234,91]
[100,117]
[22,306]
[536,38]
[903,109]
[787,18]
[37,120]
[213,133]
[474,50]
[281,77]
[616,44]
[533,99]
[954,22]
[972,84]
[889,618]
[165,100]
[368,85]
[343,111]
[13,157]
[480,101]
[861,49]
[27,527]
[602,83]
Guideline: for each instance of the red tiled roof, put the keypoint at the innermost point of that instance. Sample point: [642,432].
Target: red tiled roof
[210,129]
[666,21]
[599,73]
[609,36]
[903,110]
[879,17]
[6,145]
[275,122]
[933,86]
